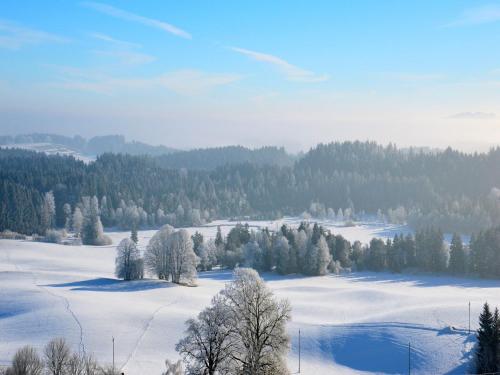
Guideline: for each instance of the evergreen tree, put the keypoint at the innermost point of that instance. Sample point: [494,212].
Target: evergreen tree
[487,341]
[457,256]
[133,235]
[219,240]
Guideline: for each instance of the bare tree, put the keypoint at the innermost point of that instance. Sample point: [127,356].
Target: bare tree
[90,365]
[75,365]
[26,361]
[128,263]
[57,355]
[258,324]
[208,346]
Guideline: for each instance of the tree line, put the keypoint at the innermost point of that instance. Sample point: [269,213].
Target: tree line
[312,250]
[446,189]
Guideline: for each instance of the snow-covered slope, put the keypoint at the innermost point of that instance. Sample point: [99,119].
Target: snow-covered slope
[360,322]
[51,149]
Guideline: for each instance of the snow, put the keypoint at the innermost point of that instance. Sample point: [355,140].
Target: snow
[51,149]
[352,323]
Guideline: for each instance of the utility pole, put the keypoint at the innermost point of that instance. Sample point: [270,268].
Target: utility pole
[113,340]
[409,358]
[299,351]
[469,317]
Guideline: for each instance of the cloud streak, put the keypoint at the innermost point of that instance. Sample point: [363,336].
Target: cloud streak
[291,72]
[114,41]
[473,116]
[126,57]
[124,52]
[14,36]
[128,16]
[183,82]
[477,16]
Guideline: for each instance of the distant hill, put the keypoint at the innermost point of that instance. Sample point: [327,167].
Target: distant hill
[211,158]
[80,147]
[165,157]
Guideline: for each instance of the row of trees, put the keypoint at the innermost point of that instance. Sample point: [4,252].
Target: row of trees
[447,189]
[312,250]
[168,256]
[57,359]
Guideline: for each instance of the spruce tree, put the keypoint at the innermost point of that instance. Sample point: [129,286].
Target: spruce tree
[457,255]
[133,235]
[487,341]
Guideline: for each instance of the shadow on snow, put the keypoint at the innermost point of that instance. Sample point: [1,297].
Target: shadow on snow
[114,285]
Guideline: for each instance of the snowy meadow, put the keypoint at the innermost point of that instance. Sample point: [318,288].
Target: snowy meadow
[350,323]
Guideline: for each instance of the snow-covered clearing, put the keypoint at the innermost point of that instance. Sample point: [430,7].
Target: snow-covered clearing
[350,323]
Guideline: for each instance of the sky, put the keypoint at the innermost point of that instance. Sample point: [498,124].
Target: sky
[290,73]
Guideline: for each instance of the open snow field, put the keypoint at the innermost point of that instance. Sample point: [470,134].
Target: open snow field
[354,323]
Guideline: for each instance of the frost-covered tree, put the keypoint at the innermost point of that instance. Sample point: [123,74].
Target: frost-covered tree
[48,210]
[67,216]
[170,255]
[324,257]
[207,253]
[318,258]
[128,264]
[157,255]
[57,355]
[26,361]
[282,251]
[254,257]
[208,347]
[77,221]
[92,230]
[183,260]
[258,322]
[173,368]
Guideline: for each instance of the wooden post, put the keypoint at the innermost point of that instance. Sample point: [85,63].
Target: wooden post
[299,351]
[409,358]
[469,317]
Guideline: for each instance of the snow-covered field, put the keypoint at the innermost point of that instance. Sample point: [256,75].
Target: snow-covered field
[360,322]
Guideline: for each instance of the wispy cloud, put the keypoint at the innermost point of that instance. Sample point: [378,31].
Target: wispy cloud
[412,77]
[110,39]
[473,116]
[183,82]
[123,51]
[126,57]
[14,36]
[291,72]
[477,16]
[128,16]
[193,82]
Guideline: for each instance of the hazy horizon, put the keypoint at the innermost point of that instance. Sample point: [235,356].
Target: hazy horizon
[190,75]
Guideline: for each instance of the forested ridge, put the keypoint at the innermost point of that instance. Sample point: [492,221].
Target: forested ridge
[449,189]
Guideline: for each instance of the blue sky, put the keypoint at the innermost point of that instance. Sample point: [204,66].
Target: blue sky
[293,73]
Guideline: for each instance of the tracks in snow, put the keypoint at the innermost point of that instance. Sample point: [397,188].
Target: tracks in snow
[67,305]
[146,327]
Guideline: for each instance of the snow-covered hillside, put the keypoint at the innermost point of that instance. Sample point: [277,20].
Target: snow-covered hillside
[51,149]
[360,322]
